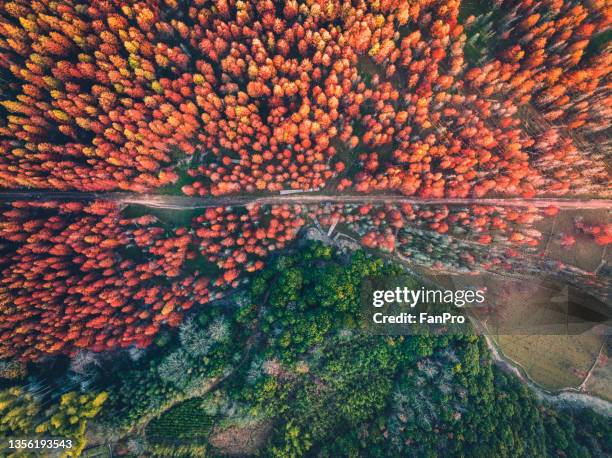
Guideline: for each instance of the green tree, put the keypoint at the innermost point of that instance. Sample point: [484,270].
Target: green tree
[21,414]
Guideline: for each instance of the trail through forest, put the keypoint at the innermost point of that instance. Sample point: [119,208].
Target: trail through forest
[176,202]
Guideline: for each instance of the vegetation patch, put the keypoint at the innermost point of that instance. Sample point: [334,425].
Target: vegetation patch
[185,423]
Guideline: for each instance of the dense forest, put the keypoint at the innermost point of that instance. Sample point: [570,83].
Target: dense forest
[287,359]
[193,193]
[200,100]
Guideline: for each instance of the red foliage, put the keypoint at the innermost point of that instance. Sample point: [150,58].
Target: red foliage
[69,280]
[240,240]
[601,233]
[104,96]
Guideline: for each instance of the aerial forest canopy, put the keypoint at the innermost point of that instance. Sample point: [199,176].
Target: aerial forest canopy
[285,361]
[192,193]
[481,103]
[414,97]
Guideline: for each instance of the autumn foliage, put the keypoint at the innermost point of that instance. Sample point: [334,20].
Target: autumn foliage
[239,240]
[255,97]
[266,95]
[80,276]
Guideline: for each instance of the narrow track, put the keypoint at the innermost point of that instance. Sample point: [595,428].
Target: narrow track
[175,202]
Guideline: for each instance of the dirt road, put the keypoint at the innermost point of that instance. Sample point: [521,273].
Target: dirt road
[177,202]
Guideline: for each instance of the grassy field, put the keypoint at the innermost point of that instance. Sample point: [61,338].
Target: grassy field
[585,254]
[599,382]
[531,328]
[553,362]
[555,349]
